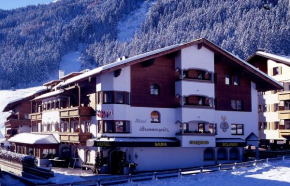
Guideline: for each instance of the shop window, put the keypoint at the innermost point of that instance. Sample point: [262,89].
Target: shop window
[155,89]
[222,154]
[237,129]
[237,104]
[208,155]
[236,80]
[228,80]
[234,154]
[201,127]
[155,117]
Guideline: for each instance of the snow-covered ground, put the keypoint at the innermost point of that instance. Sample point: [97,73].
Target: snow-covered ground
[71,62]
[7,96]
[267,174]
[132,22]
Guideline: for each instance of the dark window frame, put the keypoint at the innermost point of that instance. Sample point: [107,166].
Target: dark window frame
[125,96]
[228,79]
[155,89]
[234,105]
[225,151]
[126,126]
[205,158]
[236,129]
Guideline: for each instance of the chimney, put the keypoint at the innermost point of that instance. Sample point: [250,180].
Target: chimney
[124,57]
[60,73]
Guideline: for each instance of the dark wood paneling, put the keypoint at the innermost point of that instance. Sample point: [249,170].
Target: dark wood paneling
[260,63]
[225,93]
[162,72]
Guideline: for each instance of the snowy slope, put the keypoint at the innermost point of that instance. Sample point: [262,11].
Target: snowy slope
[132,22]
[7,96]
[8,4]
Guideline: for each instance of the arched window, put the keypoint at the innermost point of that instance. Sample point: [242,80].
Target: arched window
[208,155]
[88,156]
[56,126]
[234,154]
[48,129]
[155,117]
[155,89]
[222,154]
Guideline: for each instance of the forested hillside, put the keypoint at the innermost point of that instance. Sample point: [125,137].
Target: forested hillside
[33,39]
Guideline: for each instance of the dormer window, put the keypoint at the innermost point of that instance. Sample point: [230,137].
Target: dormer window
[155,89]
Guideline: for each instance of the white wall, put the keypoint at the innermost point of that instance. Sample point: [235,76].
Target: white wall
[24,128]
[186,88]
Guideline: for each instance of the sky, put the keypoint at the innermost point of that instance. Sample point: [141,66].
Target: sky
[11,4]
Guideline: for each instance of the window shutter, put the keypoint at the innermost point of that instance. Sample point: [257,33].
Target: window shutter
[280,70]
[272,125]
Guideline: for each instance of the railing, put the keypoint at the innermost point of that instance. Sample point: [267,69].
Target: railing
[35,116]
[283,132]
[16,122]
[284,96]
[285,114]
[174,173]
[75,111]
[75,137]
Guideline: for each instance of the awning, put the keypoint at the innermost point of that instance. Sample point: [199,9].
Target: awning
[133,142]
[29,138]
[230,142]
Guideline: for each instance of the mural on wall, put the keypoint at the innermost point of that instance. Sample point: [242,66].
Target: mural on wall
[224,124]
[104,114]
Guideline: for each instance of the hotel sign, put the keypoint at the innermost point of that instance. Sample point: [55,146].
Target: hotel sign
[136,144]
[231,144]
[199,142]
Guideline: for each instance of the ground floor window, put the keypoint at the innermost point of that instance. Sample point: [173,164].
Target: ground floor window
[222,154]
[234,154]
[208,154]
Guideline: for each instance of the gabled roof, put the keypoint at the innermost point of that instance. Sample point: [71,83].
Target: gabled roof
[263,81]
[252,137]
[15,102]
[49,94]
[70,75]
[280,59]
[53,82]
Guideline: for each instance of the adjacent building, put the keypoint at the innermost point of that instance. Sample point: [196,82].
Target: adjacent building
[180,106]
[274,106]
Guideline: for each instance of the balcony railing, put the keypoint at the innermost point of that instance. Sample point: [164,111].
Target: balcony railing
[284,96]
[284,114]
[35,116]
[284,133]
[74,137]
[76,112]
[15,123]
[191,133]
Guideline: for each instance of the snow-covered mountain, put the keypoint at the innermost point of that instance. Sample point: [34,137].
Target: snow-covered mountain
[8,4]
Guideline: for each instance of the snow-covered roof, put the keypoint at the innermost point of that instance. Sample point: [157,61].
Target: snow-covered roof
[50,94]
[111,65]
[29,138]
[285,59]
[164,50]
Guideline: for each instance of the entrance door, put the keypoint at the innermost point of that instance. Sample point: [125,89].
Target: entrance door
[118,162]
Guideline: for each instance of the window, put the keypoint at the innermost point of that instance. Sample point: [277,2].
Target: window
[265,126]
[260,109]
[222,154]
[237,104]
[260,124]
[199,101]
[234,154]
[228,80]
[236,80]
[108,97]
[155,117]
[237,129]
[56,126]
[208,155]
[198,74]
[264,108]
[275,71]
[155,89]
[119,97]
[276,125]
[111,126]
[201,127]
[113,97]
[88,156]
[48,127]
[276,107]
[212,128]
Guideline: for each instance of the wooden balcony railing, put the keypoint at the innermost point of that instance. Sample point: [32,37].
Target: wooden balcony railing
[284,114]
[75,137]
[35,116]
[15,123]
[285,95]
[284,133]
[75,112]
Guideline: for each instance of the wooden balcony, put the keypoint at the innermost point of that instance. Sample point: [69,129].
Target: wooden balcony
[76,112]
[66,137]
[15,123]
[284,133]
[284,114]
[35,116]
[284,96]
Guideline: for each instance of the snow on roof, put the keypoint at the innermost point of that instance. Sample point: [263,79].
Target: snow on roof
[27,95]
[111,65]
[140,56]
[116,139]
[251,66]
[29,138]
[285,59]
[54,93]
